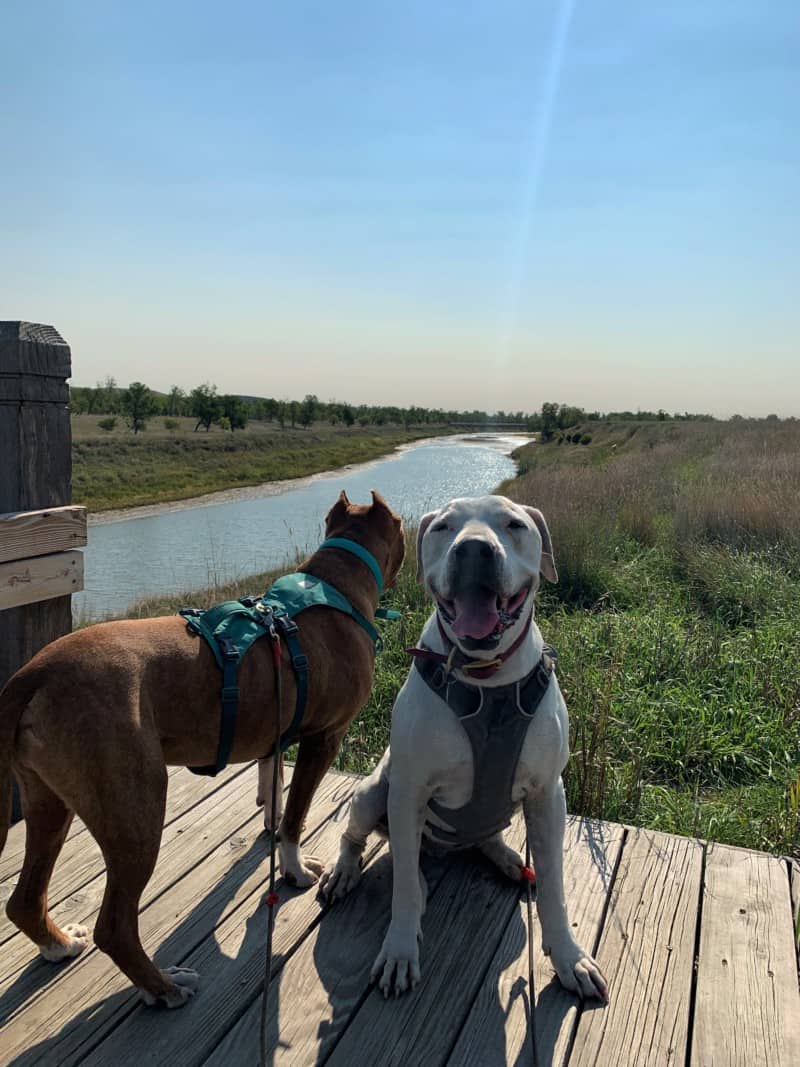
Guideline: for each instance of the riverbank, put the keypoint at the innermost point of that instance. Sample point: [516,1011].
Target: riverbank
[123,471]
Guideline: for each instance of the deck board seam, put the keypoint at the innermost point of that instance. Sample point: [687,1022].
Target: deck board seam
[696,956]
[601,926]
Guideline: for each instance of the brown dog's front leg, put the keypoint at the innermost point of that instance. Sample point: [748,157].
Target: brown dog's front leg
[314,758]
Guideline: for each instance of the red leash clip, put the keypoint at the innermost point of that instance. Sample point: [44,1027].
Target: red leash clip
[271,899]
[527,874]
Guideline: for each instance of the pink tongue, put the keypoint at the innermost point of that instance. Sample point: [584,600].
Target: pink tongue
[476,614]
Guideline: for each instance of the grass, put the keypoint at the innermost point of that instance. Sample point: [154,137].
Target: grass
[118,469]
[676,619]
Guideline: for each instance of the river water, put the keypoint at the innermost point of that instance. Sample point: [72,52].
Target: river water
[177,548]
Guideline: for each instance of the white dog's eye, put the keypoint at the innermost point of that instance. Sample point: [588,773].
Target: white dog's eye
[515,524]
[439,527]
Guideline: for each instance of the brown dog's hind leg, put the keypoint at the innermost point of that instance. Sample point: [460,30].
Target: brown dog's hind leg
[130,846]
[47,821]
[314,758]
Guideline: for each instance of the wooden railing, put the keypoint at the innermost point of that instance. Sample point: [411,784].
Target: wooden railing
[38,555]
[39,529]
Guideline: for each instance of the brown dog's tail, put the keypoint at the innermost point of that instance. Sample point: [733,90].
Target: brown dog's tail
[13,701]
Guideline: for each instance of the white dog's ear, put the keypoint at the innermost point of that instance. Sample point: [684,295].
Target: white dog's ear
[548,564]
[424,523]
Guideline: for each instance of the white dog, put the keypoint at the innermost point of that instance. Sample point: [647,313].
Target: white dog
[479,728]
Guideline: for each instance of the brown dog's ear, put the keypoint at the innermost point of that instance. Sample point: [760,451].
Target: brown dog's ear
[424,523]
[338,512]
[548,563]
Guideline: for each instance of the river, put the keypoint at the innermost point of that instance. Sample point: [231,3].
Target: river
[192,545]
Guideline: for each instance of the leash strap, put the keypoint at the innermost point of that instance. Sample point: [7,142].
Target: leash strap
[530,888]
[272,897]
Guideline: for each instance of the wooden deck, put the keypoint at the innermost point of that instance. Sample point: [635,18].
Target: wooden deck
[697,942]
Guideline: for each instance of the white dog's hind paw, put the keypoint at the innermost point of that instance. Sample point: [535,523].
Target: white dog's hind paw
[579,972]
[78,939]
[505,858]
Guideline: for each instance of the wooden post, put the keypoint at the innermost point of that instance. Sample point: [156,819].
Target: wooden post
[35,467]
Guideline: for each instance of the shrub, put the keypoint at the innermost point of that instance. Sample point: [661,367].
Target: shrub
[586,439]
[108,424]
[171,424]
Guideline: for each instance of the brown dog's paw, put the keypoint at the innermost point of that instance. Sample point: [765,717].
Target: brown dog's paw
[76,940]
[183,984]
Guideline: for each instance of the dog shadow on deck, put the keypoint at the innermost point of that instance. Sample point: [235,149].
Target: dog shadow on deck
[334,957]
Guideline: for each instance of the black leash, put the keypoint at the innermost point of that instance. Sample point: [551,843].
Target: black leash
[530,882]
[272,897]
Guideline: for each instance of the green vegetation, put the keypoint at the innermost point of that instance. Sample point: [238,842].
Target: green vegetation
[122,470]
[676,619]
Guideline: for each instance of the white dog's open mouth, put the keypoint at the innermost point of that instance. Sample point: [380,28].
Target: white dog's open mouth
[480,613]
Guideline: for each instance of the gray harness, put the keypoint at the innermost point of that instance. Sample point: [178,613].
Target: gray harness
[496,720]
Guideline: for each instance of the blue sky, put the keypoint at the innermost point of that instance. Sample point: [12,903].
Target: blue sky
[460,204]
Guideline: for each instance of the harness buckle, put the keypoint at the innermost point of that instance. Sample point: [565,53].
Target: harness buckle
[230,694]
[249,601]
[288,626]
[300,661]
[190,613]
[229,649]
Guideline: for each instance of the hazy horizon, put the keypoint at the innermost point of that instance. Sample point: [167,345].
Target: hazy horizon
[460,206]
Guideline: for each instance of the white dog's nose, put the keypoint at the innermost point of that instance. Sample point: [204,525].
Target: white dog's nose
[474,548]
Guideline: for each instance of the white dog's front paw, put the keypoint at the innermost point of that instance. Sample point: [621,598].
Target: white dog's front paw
[183,983]
[298,870]
[397,963]
[579,972]
[340,878]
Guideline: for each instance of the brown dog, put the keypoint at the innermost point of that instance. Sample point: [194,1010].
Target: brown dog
[90,724]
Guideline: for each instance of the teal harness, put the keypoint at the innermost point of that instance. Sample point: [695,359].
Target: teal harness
[230,629]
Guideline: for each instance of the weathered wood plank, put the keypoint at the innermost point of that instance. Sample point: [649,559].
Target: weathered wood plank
[462,926]
[81,859]
[328,974]
[222,892]
[498,1028]
[748,1006]
[184,843]
[30,581]
[647,952]
[232,961]
[24,534]
[795,871]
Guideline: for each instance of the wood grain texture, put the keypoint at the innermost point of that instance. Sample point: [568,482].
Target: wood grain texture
[462,927]
[647,953]
[794,868]
[231,962]
[24,534]
[498,1028]
[62,1025]
[204,908]
[30,581]
[748,1006]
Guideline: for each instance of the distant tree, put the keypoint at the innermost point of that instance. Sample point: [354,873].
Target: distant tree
[549,420]
[138,404]
[280,413]
[308,410]
[205,405]
[175,402]
[234,409]
[107,399]
[347,416]
[294,412]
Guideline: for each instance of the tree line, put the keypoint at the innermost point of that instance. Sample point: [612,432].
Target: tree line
[138,403]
